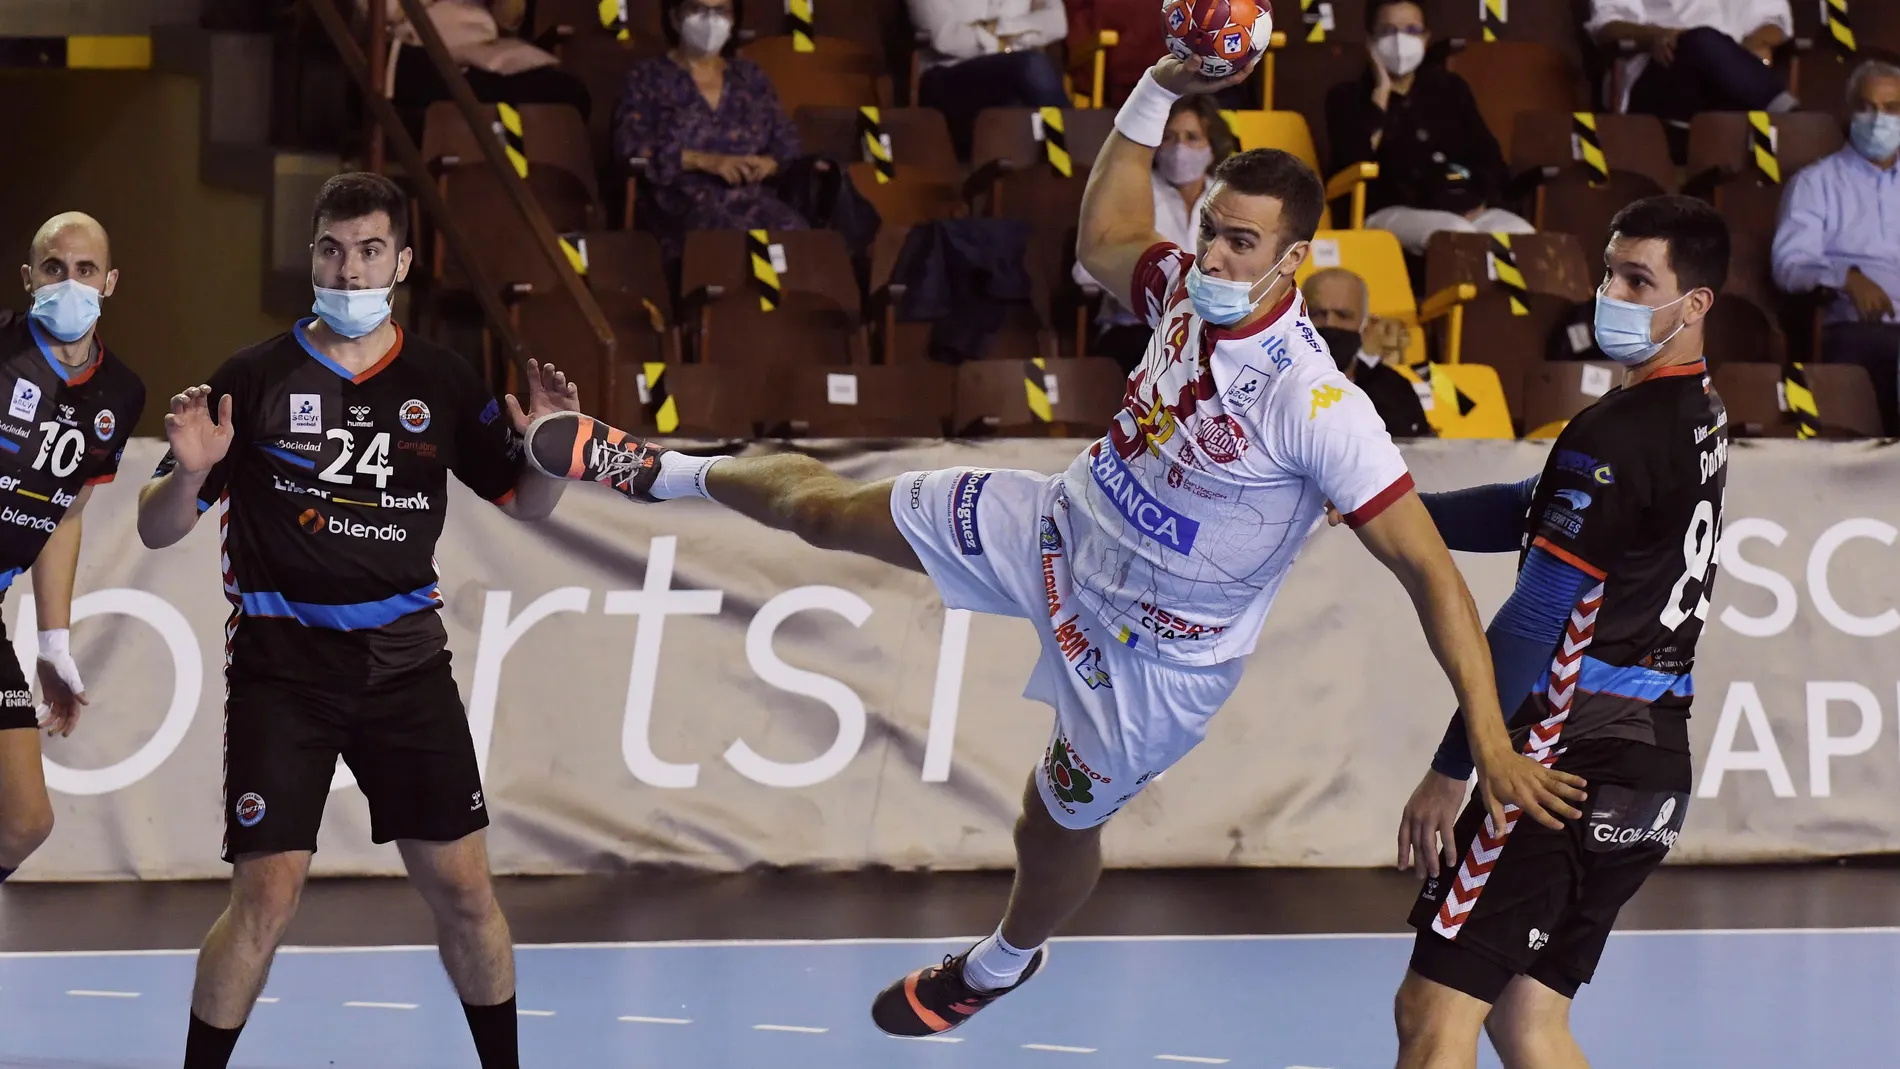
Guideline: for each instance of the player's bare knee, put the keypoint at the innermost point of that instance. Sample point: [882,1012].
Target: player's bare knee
[264,905]
[463,901]
[1038,835]
[22,831]
[1412,1013]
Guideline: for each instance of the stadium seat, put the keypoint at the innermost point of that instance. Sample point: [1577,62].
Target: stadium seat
[817,318]
[1741,330]
[601,63]
[1844,400]
[1010,134]
[1464,400]
[909,197]
[1722,165]
[554,144]
[1560,389]
[1288,131]
[816,262]
[1488,328]
[710,400]
[861,22]
[1302,75]
[1318,21]
[837,73]
[558,23]
[919,136]
[1508,77]
[1375,256]
[1755,395]
[1570,196]
[862,401]
[999,397]
[1548,22]
[1821,62]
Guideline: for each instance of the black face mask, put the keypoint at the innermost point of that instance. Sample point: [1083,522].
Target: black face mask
[1344,344]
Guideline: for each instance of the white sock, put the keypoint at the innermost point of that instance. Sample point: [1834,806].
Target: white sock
[682,475]
[995,964]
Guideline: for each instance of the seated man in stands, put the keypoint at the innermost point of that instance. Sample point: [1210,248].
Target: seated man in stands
[1439,165]
[1366,348]
[1840,233]
[1696,55]
[988,54]
[711,128]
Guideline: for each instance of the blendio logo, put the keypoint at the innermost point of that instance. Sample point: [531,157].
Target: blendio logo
[20,519]
[315,522]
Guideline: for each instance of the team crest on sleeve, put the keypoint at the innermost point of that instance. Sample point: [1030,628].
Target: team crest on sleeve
[104,424]
[414,416]
[306,413]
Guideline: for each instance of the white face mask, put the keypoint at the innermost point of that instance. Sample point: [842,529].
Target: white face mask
[705,32]
[1180,164]
[1400,53]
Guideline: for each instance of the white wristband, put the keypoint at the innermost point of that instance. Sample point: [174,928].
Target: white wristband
[1144,116]
[55,644]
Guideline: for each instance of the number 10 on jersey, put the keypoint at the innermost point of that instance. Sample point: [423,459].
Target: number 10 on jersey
[63,446]
[375,461]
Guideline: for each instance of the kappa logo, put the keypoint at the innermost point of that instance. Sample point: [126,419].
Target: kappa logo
[1576,499]
[249,809]
[1324,397]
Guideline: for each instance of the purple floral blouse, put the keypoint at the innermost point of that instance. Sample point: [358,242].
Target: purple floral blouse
[662,114]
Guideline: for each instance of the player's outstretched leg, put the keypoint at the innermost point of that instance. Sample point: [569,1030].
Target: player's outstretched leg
[235,960]
[788,491]
[473,936]
[1530,1027]
[1438,1026]
[26,815]
[1056,868]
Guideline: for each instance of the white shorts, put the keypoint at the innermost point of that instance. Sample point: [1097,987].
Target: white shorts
[993,542]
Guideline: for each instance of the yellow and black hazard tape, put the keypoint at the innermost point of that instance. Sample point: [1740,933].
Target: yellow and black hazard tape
[1761,140]
[1583,126]
[1314,15]
[613,18]
[1807,416]
[1445,391]
[574,247]
[1505,259]
[798,15]
[1835,14]
[1036,390]
[666,413]
[871,129]
[1491,19]
[1055,142]
[513,144]
[758,247]
[78,52]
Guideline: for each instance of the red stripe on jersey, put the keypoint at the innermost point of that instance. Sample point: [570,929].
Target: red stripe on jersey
[106,478]
[1569,558]
[1697,368]
[1369,511]
[366,373]
[505,498]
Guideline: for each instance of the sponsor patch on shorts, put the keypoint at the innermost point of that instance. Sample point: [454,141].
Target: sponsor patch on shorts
[1620,818]
[249,809]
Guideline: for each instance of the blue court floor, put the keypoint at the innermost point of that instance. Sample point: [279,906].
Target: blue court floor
[1772,999]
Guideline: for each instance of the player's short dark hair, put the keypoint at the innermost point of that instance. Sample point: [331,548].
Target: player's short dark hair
[1696,237]
[1373,7]
[360,193]
[1269,172]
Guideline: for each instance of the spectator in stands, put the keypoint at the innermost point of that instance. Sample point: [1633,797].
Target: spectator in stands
[1840,233]
[1368,349]
[710,126]
[1439,166]
[1138,25]
[1696,55]
[1195,141]
[988,54]
[500,68]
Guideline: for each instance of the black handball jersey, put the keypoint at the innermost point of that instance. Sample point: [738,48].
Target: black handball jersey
[63,429]
[1632,495]
[334,491]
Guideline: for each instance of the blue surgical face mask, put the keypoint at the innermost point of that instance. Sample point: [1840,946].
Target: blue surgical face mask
[352,313]
[1224,302]
[66,310]
[1623,330]
[1875,135]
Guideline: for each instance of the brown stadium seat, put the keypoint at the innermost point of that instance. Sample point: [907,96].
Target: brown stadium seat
[816,261]
[1560,389]
[1570,197]
[862,401]
[816,322]
[602,64]
[624,274]
[862,22]
[994,397]
[1317,21]
[1547,22]
[1821,63]
[1304,73]
[1009,134]
[1288,132]
[561,170]
[910,197]
[1741,330]
[1844,398]
[894,341]
[919,136]
[1558,277]
[1757,405]
[1751,393]
[558,23]
[838,73]
[714,401]
[1722,165]
[1508,77]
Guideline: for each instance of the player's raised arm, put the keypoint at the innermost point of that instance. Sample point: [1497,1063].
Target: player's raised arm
[1118,208]
[169,504]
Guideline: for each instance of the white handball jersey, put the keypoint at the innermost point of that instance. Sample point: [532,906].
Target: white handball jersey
[1183,519]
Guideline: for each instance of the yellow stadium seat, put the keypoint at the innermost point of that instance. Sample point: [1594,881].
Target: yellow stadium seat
[1375,256]
[1288,132]
[1467,400]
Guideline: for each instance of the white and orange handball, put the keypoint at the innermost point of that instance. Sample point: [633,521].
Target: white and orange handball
[1215,38]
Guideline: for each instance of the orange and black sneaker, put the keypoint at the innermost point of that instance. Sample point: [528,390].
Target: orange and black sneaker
[568,445]
[936,999]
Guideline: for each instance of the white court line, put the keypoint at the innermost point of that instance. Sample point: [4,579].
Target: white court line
[1058,1049]
[1191,1059]
[269,1000]
[807,1029]
[82,993]
[690,944]
[929,1039]
[657,1020]
[381,1005]
[534,1013]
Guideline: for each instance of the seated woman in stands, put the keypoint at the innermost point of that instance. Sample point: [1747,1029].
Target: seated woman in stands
[480,36]
[710,126]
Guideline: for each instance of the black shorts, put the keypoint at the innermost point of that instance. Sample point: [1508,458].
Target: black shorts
[403,733]
[1541,903]
[16,694]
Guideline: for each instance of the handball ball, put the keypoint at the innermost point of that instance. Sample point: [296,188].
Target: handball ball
[1215,38]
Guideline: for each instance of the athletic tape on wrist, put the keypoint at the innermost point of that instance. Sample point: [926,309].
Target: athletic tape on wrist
[1144,116]
[55,643]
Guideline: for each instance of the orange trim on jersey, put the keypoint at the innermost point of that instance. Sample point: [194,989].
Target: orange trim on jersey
[1700,367]
[364,375]
[1382,500]
[1569,558]
[505,498]
[106,478]
[82,376]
